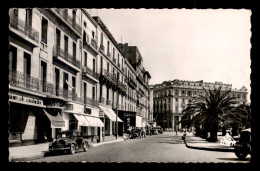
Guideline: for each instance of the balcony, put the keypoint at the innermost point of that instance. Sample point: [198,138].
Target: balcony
[122,86]
[94,43]
[102,49]
[108,102]
[102,100]
[109,76]
[26,30]
[63,14]
[114,60]
[88,71]
[58,52]
[108,54]
[91,102]
[140,78]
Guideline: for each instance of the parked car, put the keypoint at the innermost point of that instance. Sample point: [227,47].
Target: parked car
[134,133]
[160,131]
[69,141]
[243,145]
[155,132]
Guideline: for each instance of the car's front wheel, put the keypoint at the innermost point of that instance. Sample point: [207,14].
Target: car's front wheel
[241,155]
[72,149]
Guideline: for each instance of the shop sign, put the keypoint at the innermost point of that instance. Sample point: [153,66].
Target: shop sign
[129,115]
[24,99]
[101,114]
[54,103]
[87,110]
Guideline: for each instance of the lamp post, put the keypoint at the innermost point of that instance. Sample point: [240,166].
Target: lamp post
[117,99]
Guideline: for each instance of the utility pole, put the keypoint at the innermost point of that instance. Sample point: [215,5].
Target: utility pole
[117,99]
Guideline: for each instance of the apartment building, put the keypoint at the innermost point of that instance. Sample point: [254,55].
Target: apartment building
[170,98]
[68,72]
[134,57]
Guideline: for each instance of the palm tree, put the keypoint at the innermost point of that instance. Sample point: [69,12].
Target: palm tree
[206,110]
[239,116]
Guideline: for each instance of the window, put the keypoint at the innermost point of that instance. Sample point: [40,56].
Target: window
[107,67]
[183,92]
[74,16]
[74,50]
[44,30]
[118,58]
[189,93]
[238,95]
[169,100]
[28,19]
[108,46]
[85,58]
[183,100]
[65,85]
[107,93]
[43,75]
[93,34]
[73,81]
[94,65]
[66,44]
[84,37]
[176,99]
[93,93]
[57,37]
[176,92]
[12,58]
[57,81]
[85,24]
[27,63]
[113,52]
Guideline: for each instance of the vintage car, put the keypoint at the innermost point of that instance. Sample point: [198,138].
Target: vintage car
[69,141]
[243,145]
[134,133]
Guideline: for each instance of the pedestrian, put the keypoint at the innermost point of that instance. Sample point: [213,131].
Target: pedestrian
[144,133]
[150,131]
[176,131]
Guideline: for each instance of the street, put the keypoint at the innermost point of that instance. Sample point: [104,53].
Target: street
[166,147]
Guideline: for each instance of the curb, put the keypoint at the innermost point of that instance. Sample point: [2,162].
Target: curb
[209,149]
[108,142]
[22,159]
[38,156]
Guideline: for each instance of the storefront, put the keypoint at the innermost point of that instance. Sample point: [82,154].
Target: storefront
[88,123]
[110,121]
[27,122]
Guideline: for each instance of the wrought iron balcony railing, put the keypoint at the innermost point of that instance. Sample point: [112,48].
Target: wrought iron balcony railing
[102,48]
[114,60]
[24,28]
[87,70]
[108,54]
[108,102]
[58,51]
[94,43]
[72,23]
[90,101]
[102,100]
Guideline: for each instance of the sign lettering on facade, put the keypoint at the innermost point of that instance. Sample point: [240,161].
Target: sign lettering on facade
[28,100]
[101,114]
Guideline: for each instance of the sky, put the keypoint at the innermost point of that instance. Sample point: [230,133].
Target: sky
[206,44]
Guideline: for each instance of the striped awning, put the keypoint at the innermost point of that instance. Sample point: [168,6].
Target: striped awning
[56,121]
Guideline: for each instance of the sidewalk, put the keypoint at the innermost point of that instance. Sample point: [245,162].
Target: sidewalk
[194,142]
[31,152]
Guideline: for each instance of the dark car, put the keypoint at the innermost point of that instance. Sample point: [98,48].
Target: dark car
[69,141]
[134,133]
[243,145]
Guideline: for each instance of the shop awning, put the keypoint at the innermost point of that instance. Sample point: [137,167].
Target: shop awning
[95,122]
[56,121]
[114,115]
[82,120]
[107,113]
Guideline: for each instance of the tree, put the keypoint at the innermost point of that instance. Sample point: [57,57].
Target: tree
[206,110]
[238,117]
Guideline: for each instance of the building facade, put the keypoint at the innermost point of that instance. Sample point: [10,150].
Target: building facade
[170,98]
[66,72]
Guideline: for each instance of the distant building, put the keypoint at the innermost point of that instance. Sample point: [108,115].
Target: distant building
[171,97]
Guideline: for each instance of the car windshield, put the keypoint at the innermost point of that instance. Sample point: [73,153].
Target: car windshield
[65,135]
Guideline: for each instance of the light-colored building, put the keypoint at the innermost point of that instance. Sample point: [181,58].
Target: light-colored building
[68,72]
[170,98]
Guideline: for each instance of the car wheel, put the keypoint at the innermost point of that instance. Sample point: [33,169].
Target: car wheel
[72,149]
[241,155]
[85,147]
